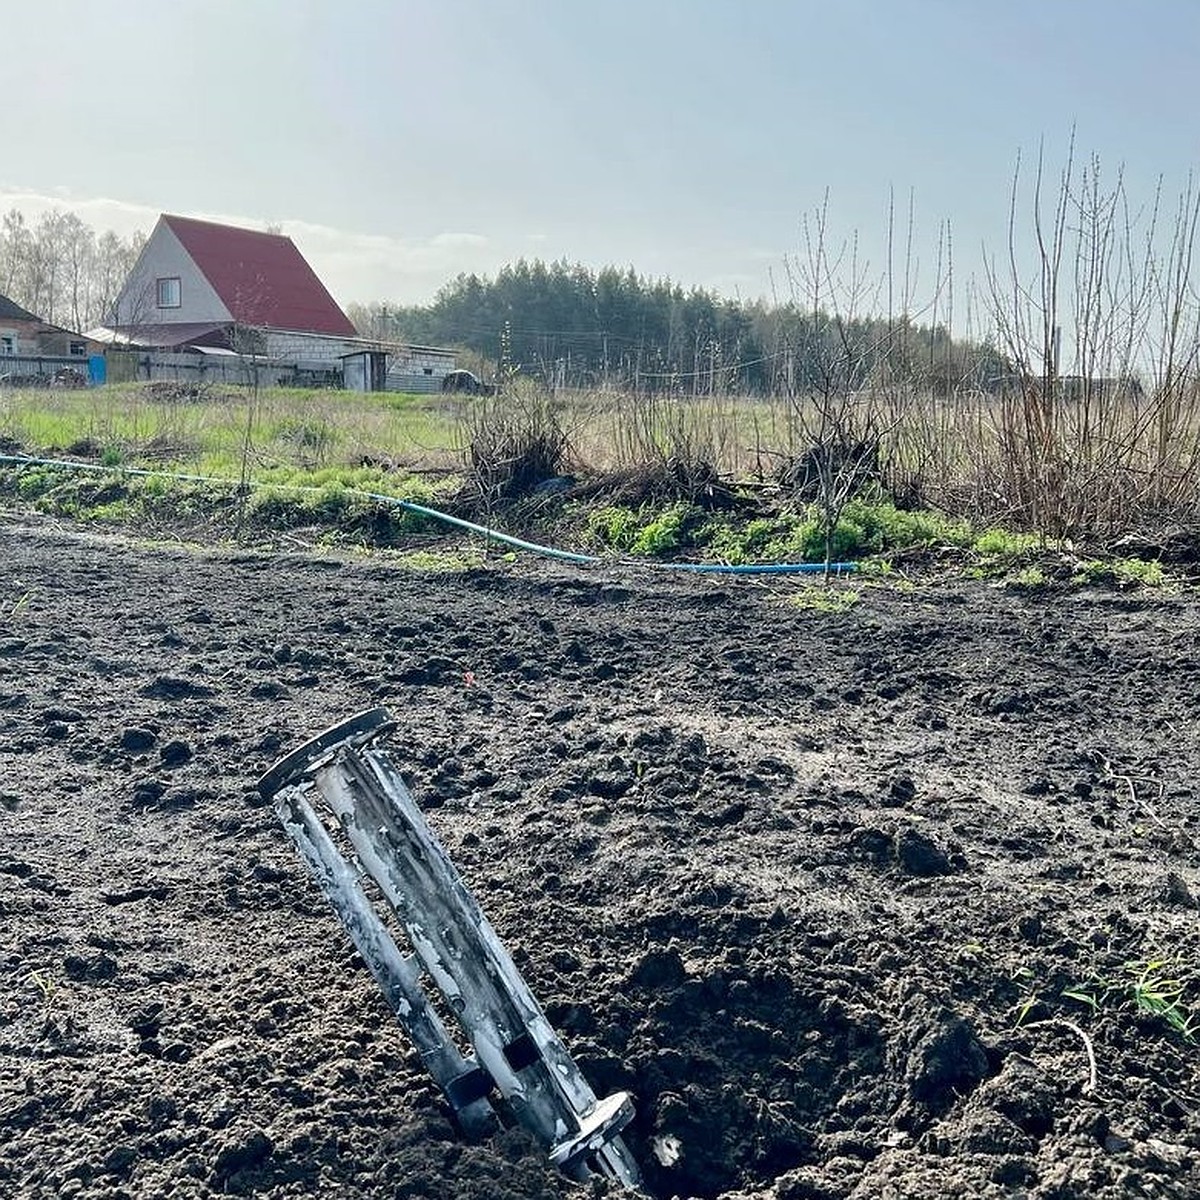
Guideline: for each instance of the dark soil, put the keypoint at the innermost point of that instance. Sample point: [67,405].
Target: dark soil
[811,884]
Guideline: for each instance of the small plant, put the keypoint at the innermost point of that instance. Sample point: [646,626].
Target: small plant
[613,527]
[1160,995]
[1029,579]
[1136,571]
[823,599]
[46,986]
[12,611]
[1121,572]
[1082,996]
[1001,543]
[664,533]
[438,562]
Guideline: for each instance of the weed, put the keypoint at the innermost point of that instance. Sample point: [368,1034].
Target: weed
[1028,579]
[1121,572]
[651,532]
[612,527]
[664,533]
[1148,986]
[438,562]
[46,986]
[1001,543]
[819,598]
[12,611]
[1160,995]
[1136,571]
[1082,996]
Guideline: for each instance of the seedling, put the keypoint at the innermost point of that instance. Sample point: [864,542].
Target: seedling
[1160,995]
[1082,997]
[17,607]
[46,985]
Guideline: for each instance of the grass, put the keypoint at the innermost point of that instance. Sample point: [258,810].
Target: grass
[440,562]
[11,610]
[332,500]
[310,453]
[1121,572]
[1159,995]
[865,528]
[131,424]
[1029,579]
[1148,987]
[816,597]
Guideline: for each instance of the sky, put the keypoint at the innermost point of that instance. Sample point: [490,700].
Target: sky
[400,142]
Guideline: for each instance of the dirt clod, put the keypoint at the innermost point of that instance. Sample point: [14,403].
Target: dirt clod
[175,753]
[137,741]
[918,854]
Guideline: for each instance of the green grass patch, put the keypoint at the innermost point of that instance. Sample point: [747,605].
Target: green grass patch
[1028,579]
[1002,543]
[1121,573]
[818,597]
[863,529]
[648,531]
[160,502]
[440,562]
[226,428]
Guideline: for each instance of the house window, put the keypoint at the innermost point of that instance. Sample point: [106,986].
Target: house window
[77,349]
[168,292]
[8,346]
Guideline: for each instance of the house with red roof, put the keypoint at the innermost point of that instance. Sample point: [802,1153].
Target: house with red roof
[195,282]
[208,289]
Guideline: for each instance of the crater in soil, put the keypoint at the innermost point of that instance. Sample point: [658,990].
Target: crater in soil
[812,885]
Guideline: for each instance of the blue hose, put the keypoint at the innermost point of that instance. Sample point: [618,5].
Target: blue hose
[493,535]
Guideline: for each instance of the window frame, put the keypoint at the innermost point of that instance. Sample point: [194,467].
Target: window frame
[158,291]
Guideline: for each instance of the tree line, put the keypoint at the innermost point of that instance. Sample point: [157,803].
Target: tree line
[573,326]
[61,269]
[561,322]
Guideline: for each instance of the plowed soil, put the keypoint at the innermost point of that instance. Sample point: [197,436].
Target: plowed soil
[811,884]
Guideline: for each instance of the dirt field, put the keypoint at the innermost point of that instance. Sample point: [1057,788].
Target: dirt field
[810,884]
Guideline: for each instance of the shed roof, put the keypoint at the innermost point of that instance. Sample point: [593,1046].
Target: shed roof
[10,310]
[261,278]
[155,335]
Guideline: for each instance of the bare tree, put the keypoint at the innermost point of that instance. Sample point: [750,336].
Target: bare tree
[1098,315]
[59,269]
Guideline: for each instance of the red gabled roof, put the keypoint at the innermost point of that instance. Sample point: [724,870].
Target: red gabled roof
[261,277]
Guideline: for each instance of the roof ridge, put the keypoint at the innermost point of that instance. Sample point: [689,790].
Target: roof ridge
[260,278]
[169,217]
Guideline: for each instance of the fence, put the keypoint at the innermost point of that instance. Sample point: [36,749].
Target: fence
[127,366]
[43,370]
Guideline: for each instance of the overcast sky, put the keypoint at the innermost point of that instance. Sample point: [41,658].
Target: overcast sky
[402,141]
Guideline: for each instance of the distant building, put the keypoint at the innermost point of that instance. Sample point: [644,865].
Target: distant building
[210,289]
[25,335]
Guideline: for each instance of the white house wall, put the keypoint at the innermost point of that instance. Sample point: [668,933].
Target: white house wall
[307,347]
[163,257]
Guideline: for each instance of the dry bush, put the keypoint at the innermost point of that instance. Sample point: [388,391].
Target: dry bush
[511,444]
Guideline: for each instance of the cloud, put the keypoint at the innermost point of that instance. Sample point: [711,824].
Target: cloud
[353,265]
[102,212]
